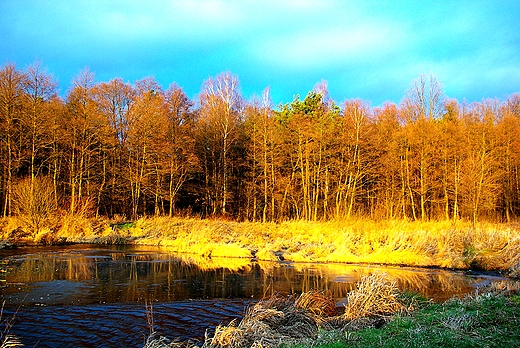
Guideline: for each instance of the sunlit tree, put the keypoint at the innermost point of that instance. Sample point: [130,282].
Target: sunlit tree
[307,131]
[113,100]
[147,131]
[40,90]
[354,167]
[11,94]
[480,171]
[84,129]
[420,109]
[508,133]
[390,191]
[180,156]
[221,114]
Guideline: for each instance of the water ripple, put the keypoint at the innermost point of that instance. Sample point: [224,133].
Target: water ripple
[120,325]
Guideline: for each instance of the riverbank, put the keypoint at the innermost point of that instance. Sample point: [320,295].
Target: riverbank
[375,314]
[445,244]
[488,318]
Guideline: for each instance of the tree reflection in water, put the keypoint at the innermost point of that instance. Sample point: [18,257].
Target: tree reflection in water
[90,274]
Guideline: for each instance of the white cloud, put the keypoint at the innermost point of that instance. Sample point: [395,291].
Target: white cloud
[331,46]
[369,49]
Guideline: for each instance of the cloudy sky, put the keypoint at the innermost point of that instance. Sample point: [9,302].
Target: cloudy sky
[364,49]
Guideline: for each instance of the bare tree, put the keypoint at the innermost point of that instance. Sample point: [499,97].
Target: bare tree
[180,149]
[113,100]
[40,90]
[421,107]
[222,110]
[11,94]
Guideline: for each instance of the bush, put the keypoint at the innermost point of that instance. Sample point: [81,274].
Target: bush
[35,203]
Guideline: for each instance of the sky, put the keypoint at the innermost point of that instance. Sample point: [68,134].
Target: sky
[367,49]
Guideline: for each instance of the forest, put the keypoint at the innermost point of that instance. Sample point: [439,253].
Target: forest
[120,149]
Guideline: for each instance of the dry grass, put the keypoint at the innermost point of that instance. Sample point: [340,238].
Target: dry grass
[320,303]
[226,336]
[392,242]
[443,244]
[375,296]
[269,323]
[156,341]
[297,319]
[502,288]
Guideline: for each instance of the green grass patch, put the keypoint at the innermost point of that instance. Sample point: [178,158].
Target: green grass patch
[485,320]
[123,226]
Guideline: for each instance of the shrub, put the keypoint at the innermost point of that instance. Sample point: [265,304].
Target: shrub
[34,202]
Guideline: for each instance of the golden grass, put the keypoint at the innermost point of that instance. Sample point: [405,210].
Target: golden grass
[375,295]
[318,302]
[393,242]
[297,319]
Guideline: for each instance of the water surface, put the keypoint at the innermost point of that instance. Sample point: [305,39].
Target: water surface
[93,296]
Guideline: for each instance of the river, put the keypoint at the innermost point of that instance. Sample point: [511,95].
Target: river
[102,296]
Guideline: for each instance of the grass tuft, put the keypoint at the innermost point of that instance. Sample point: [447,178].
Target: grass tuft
[374,296]
[320,303]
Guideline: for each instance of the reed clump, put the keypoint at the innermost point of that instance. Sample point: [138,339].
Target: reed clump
[375,295]
[269,323]
[320,303]
[300,319]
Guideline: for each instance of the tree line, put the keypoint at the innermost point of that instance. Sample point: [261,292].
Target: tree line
[114,148]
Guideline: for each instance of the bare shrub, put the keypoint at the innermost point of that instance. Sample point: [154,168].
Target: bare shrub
[34,202]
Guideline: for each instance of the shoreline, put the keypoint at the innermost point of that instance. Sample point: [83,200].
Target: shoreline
[375,314]
[438,244]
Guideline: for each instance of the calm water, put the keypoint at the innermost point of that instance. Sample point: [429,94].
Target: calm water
[92,296]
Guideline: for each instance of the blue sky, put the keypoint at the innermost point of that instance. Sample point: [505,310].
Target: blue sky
[365,49]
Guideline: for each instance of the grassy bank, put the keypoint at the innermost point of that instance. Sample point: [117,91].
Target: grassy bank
[488,319]
[396,242]
[376,314]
